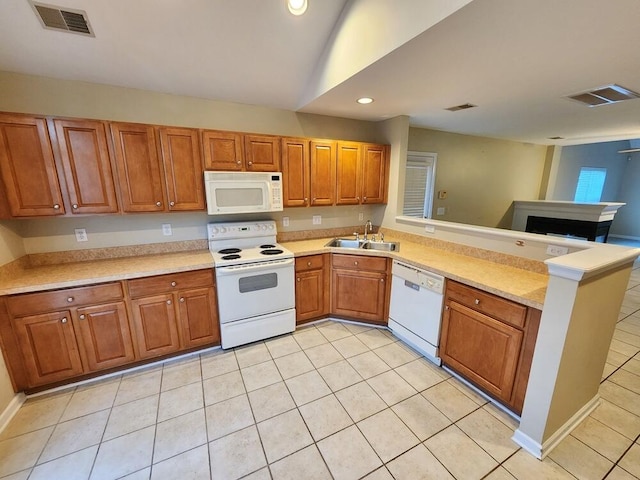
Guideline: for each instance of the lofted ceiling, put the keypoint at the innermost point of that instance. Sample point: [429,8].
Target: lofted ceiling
[515,60]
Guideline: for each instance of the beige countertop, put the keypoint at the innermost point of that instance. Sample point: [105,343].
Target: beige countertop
[510,282]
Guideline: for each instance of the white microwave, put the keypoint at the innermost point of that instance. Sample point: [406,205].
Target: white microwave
[243,192]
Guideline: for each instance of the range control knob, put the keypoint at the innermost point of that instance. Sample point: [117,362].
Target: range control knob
[214,230]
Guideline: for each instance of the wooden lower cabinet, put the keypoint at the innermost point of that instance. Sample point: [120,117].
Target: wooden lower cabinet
[174,312]
[489,341]
[359,288]
[312,288]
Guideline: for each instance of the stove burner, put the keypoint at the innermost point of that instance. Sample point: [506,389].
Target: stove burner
[272,251]
[232,256]
[227,251]
[267,246]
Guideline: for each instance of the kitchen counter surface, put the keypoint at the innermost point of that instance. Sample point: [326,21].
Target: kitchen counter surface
[528,288]
[509,282]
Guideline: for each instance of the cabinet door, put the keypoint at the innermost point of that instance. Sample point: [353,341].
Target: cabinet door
[222,150]
[49,348]
[140,175]
[312,295]
[183,168]
[86,165]
[481,348]
[375,163]
[262,153]
[359,295]
[106,339]
[295,172]
[154,324]
[27,166]
[348,171]
[323,172]
[199,317]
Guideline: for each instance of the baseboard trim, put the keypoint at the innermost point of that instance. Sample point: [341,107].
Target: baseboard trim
[13,407]
[542,450]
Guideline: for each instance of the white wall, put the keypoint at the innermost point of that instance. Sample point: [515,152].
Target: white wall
[11,244]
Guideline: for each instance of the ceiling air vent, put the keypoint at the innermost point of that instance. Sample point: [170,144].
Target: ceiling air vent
[464,106]
[61,18]
[604,95]
[556,138]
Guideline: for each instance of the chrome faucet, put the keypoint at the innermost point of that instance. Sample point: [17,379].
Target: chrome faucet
[367,227]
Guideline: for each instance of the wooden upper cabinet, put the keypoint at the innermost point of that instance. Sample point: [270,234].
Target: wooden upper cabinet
[295,172]
[375,179]
[86,164]
[140,175]
[262,153]
[183,170]
[28,168]
[323,172]
[348,172]
[222,150]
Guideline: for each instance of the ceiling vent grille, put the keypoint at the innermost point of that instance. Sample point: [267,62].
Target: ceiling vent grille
[604,95]
[64,19]
[464,106]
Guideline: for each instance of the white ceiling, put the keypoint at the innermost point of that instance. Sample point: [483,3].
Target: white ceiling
[516,60]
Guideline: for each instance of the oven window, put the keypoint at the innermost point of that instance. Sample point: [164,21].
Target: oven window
[239,197]
[258,282]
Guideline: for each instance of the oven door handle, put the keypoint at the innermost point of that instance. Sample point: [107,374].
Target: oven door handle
[251,267]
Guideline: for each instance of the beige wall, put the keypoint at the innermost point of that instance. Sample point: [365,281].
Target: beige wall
[482,176]
[11,244]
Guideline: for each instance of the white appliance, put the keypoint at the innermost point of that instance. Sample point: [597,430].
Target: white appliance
[415,312]
[255,282]
[243,192]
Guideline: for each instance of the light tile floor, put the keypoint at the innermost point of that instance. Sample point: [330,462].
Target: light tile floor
[333,400]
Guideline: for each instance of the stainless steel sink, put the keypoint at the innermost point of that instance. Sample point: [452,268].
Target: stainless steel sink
[364,244]
[384,246]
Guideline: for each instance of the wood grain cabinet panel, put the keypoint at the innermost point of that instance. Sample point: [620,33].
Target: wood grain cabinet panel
[106,339]
[222,150]
[155,326]
[375,180]
[262,153]
[86,163]
[323,172]
[27,166]
[295,172]
[49,347]
[312,288]
[183,169]
[140,173]
[348,172]
[198,317]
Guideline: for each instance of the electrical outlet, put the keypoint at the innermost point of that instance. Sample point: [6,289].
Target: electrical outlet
[440,211]
[166,230]
[442,194]
[430,229]
[81,235]
[317,220]
[556,250]
[285,221]
[361,217]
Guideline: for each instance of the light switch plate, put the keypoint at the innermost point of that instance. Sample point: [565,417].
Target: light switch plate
[81,235]
[166,230]
[361,217]
[556,250]
[440,211]
[285,221]
[317,220]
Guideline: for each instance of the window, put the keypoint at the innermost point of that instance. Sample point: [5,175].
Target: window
[419,184]
[590,184]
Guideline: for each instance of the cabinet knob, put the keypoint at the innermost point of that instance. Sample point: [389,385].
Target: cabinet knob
[181,299]
[446,307]
[70,299]
[75,206]
[172,204]
[298,279]
[308,264]
[314,199]
[169,302]
[306,199]
[358,199]
[382,280]
[238,162]
[355,263]
[64,320]
[249,163]
[364,199]
[158,204]
[56,206]
[83,316]
[173,284]
[477,301]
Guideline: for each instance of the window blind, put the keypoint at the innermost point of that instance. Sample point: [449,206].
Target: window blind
[590,184]
[418,186]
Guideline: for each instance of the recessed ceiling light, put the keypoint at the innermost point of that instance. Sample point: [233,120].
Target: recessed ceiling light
[365,100]
[297,7]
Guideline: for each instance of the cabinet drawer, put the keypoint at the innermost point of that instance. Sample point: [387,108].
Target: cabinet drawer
[143,287]
[32,303]
[309,262]
[496,307]
[359,262]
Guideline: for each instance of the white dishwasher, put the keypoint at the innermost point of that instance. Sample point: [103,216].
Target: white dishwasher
[415,311]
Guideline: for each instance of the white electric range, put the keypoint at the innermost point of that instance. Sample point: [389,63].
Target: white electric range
[255,281]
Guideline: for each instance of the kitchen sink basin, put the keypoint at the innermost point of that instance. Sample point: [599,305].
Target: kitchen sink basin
[364,244]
